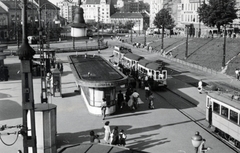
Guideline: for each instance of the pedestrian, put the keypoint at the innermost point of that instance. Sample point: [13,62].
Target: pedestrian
[94,138]
[97,140]
[115,136]
[107,132]
[237,73]
[103,108]
[151,101]
[147,90]
[202,148]
[200,86]
[139,81]
[210,115]
[128,94]
[120,99]
[122,138]
[135,96]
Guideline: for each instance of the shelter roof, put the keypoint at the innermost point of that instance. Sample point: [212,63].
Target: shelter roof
[94,68]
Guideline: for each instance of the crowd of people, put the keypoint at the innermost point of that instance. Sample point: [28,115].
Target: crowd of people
[112,137]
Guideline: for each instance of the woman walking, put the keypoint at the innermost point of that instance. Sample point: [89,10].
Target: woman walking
[107,132]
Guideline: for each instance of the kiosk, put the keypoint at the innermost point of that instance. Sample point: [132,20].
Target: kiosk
[97,79]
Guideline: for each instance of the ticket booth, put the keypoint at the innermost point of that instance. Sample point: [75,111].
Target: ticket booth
[56,83]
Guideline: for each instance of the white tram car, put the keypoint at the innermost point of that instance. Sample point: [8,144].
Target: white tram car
[225,117]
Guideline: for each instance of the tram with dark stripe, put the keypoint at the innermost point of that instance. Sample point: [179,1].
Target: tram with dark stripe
[224,115]
[137,66]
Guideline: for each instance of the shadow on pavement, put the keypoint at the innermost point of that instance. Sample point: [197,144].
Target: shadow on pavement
[142,142]
[10,110]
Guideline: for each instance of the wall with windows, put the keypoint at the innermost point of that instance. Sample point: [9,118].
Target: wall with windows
[91,12]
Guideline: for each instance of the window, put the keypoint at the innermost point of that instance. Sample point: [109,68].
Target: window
[224,111]
[216,108]
[233,116]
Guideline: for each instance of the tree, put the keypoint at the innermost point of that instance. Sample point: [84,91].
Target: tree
[129,25]
[163,20]
[218,13]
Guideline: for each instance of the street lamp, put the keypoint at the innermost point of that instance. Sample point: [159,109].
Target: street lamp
[199,24]
[196,141]
[145,37]
[25,53]
[186,53]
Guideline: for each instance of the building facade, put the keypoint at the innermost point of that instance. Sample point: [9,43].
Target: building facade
[11,15]
[67,10]
[96,10]
[140,20]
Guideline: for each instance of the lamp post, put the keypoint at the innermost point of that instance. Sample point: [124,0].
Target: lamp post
[145,37]
[98,29]
[25,53]
[199,24]
[196,141]
[186,53]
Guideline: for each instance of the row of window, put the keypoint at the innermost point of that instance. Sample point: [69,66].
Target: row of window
[190,6]
[226,112]
[189,18]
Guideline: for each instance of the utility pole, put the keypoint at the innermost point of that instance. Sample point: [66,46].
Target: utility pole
[25,54]
[98,29]
[199,24]
[224,47]
[42,60]
[186,53]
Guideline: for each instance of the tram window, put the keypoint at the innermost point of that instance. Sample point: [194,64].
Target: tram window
[164,74]
[157,75]
[233,116]
[216,108]
[224,111]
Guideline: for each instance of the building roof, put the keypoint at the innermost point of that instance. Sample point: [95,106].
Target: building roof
[48,5]
[96,1]
[11,5]
[2,11]
[126,15]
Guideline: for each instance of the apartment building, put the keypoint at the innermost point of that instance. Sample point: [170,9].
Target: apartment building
[95,10]
[67,10]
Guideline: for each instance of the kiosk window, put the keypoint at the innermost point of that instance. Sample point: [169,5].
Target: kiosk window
[233,116]
[216,108]
[224,111]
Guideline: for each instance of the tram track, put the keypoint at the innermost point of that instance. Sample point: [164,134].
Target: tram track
[231,146]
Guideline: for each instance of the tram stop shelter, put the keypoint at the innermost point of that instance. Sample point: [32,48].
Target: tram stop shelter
[97,79]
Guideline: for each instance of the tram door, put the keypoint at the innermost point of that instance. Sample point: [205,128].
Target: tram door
[208,103]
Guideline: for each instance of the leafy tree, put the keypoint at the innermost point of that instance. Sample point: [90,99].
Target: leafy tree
[129,24]
[217,12]
[163,20]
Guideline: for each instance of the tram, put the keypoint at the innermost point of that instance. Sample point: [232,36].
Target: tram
[135,65]
[224,112]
